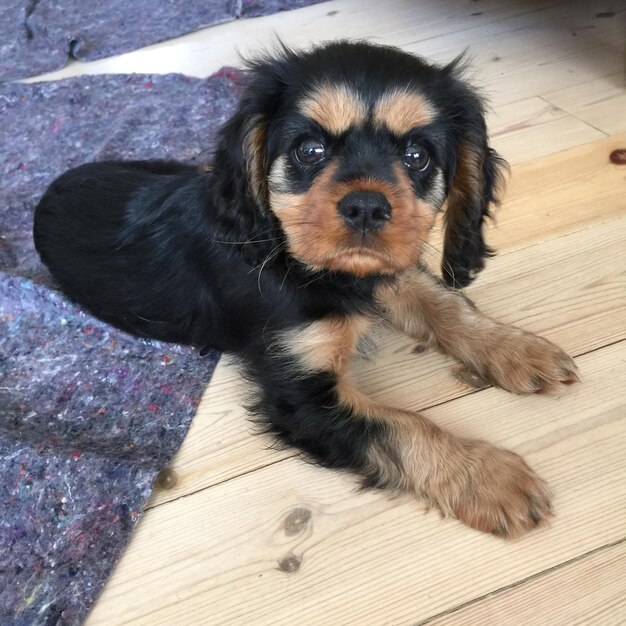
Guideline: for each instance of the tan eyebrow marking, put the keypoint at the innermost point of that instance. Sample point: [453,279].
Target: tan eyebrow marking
[336,108]
[401,110]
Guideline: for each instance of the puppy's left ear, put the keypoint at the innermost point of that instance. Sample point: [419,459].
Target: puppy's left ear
[475,187]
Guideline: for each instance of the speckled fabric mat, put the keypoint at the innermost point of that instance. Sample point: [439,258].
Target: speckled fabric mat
[39,36]
[88,414]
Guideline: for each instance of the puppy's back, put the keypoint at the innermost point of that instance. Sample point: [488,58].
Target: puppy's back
[91,229]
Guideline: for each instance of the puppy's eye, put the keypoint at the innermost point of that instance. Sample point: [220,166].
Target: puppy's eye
[417,158]
[310,151]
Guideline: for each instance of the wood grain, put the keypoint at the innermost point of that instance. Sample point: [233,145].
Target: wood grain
[518,130]
[600,103]
[293,542]
[593,588]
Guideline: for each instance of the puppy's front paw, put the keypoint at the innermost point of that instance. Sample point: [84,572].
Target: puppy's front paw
[521,362]
[499,494]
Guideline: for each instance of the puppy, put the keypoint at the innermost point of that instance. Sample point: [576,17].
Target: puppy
[310,226]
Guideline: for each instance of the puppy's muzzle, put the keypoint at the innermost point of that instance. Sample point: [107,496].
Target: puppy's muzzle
[364,211]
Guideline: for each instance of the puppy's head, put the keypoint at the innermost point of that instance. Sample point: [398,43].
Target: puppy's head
[354,148]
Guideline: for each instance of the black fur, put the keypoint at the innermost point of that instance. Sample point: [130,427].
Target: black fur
[163,250]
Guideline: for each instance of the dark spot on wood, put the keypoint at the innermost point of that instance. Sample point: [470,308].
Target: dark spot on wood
[477,13]
[166,479]
[418,348]
[296,521]
[496,59]
[331,13]
[606,14]
[471,378]
[618,156]
[289,564]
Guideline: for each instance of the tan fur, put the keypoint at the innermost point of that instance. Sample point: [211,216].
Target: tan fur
[278,181]
[402,110]
[318,237]
[492,353]
[254,152]
[437,192]
[488,488]
[336,108]
[326,344]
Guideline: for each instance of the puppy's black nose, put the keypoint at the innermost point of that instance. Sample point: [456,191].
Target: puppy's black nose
[364,211]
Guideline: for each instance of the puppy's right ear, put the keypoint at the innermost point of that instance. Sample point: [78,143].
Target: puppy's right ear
[240,161]
[242,152]
[239,192]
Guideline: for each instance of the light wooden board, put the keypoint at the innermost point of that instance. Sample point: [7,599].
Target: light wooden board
[590,590]
[569,288]
[235,554]
[518,130]
[600,102]
[559,194]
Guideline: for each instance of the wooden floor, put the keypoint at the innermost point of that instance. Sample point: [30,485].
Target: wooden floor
[253,536]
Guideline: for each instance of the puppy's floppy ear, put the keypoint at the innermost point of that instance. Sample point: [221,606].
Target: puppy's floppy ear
[475,185]
[239,194]
[242,153]
[254,144]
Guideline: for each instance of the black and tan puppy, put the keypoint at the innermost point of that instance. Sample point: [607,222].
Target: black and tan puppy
[310,226]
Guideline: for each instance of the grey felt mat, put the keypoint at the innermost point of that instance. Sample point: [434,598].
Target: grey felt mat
[38,36]
[88,414]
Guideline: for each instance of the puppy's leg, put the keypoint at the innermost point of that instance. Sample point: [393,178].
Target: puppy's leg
[311,404]
[490,352]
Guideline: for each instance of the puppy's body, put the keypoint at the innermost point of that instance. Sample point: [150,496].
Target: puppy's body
[307,229]
[138,244]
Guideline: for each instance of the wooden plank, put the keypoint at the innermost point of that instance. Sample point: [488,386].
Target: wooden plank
[570,289]
[531,54]
[588,591]
[600,102]
[532,128]
[293,542]
[561,193]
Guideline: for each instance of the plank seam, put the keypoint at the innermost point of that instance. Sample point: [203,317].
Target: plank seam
[523,581]
[580,119]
